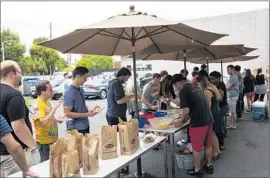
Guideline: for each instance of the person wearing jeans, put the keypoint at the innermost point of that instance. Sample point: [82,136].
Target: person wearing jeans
[232,94]
[239,104]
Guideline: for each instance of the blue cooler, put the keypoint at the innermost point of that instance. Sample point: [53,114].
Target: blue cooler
[259,110]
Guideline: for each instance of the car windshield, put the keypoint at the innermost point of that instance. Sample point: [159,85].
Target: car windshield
[31,81]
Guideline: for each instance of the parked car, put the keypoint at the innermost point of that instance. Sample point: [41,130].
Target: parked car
[58,86]
[96,88]
[26,89]
[32,82]
[106,75]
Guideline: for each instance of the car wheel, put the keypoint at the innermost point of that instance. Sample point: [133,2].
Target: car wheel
[103,94]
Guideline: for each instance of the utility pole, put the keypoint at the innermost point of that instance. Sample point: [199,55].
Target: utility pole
[50,30]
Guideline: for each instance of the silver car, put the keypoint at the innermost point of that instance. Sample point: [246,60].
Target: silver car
[96,87]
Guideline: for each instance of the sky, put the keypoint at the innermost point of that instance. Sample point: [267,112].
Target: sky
[31,19]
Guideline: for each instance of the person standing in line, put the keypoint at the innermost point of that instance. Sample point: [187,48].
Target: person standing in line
[196,108]
[163,81]
[204,67]
[14,149]
[215,78]
[232,94]
[194,78]
[150,94]
[213,97]
[130,89]
[74,103]
[260,85]
[117,100]
[14,110]
[249,83]
[241,83]
[44,121]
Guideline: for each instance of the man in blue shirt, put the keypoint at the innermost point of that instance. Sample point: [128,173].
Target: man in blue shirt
[74,102]
[117,101]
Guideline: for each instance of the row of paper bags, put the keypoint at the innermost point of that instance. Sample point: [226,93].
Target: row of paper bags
[69,154]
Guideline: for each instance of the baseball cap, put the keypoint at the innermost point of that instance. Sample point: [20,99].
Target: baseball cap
[177,78]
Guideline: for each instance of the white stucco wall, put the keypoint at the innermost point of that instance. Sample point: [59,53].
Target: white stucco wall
[248,28]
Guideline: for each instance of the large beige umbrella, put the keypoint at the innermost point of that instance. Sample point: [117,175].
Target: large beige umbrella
[129,33]
[224,60]
[212,52]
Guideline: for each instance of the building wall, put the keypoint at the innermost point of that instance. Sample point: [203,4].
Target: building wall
[248,28]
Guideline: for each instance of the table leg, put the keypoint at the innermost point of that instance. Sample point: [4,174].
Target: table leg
[139,167]
[172,155]
[166,159]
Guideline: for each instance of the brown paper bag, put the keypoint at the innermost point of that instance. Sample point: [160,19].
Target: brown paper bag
[128,140]
[72,142]
[70,163]
[56,151]
[90,154]
[78,137]
[108,142]
[135,125]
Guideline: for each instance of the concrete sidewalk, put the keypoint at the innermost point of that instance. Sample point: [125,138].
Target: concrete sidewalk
[246,154]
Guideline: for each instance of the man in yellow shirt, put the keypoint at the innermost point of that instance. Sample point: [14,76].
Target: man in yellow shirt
[44,120]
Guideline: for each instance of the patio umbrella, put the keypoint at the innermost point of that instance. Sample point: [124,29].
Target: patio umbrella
[172,52]
[129,33]
[225,60]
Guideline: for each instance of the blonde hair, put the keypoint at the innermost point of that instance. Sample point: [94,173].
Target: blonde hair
[8,66]
[206,84]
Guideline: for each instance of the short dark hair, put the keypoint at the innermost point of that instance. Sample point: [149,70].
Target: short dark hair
[163,72]
[203,66]
[65,74]
[178,78]
[215,74]
[156,75]
[194,73]
[202,74]
[41,86]
[230,66]
[237,68]
[196,69]
[123,72]
[79,71]
[184,71]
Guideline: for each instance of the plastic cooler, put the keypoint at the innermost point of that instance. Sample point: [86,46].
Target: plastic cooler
[259,110]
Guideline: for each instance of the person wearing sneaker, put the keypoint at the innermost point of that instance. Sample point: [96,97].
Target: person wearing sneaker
[232,94]
[195,108]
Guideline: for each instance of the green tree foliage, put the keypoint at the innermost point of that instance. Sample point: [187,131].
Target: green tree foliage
[33,66]
[50,57]
[13,49]
[68,69]
[96,62]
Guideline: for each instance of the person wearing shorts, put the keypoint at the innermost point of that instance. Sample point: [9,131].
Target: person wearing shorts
[196,108]
[232,95]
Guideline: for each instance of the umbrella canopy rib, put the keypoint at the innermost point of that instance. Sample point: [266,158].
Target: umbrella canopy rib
[84,40]
[123,30]
[152,40]
[185,36]
[115,35]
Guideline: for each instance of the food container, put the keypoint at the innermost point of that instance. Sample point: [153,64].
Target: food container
[160,124]
[160,114]
[148,116]
[142,122]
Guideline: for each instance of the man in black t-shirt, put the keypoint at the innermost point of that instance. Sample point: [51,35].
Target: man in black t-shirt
[195,108]
[13,109]
[215,78]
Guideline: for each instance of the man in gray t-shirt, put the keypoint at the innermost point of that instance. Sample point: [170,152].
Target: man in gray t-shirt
[151,93]
[240,101]
[232,94]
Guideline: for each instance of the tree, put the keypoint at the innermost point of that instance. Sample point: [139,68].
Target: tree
[68,69]
[96,62]
[50,57]
[13,49]
[33,66]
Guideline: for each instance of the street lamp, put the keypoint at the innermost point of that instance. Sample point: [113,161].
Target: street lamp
[3,49]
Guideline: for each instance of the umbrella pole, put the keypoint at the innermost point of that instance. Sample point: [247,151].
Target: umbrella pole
[221,63]
[185,62]
[207,63]
[134,73]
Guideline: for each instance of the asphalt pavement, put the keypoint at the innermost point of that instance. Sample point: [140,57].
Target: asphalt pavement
[246,154]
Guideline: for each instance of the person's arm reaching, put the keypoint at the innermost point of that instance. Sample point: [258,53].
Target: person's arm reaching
[221,94]
[14,148]
[16,113]
[119,94]
[45,120]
